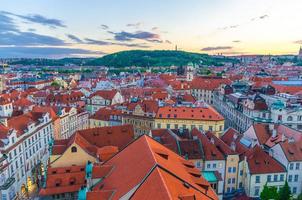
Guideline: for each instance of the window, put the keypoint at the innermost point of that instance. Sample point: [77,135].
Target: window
[234,169]
[230,169]
[233,180]
[275,177]
[158,125]
[200,128]
[294,190]
[176,126]
[168,126]
[229,180]
[214,165]
[289,118]
[297,166]
[282,177]
[210,128]
[73,149]
[257,179]
[241,172]
[208,165]
[269,177]
[291,166]
[257,189]
[296,178]
[290,178]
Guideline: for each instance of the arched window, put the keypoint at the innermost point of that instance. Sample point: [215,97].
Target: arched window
[289,118]
[73,149]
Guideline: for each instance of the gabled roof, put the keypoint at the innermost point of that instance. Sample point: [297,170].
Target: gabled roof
[211,152]
[262,132]
[94,140]
[292,150]
[106,94]
[156,173]
[259,162]
[232,137]
[222,147]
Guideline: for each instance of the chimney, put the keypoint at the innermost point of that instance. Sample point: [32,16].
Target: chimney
[233,146]
[274,133]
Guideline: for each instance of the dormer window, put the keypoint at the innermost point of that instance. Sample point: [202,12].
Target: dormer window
[73,149]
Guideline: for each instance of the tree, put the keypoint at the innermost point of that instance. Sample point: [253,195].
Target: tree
[269,193]
[299,197]
[284,192]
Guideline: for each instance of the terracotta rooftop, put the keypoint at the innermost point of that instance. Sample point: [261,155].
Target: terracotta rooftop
[189,113]
[259,162]
[64,180]
[156,173]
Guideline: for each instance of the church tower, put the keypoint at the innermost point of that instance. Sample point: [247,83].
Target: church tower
[300,53]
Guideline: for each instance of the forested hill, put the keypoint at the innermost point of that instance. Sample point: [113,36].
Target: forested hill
[140,58]
[156,58]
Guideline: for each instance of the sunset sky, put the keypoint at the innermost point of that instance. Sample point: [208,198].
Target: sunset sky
[60,28]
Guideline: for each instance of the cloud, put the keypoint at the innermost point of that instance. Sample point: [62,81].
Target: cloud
[229,27]
[11,35]
[28,38]
[135,25]
[136,45]
[155,28]
[142,35]
[74,38]
[168,41]
[96,42]
[44,52]
[263,16]
[104,27]
[31,30]
[260,17]
[39,19]
[236,41]
[298,42]
[7,23]
[216,48]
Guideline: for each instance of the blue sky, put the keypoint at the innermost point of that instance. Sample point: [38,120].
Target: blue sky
[56,28]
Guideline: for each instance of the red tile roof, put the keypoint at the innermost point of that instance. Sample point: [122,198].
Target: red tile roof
[292,150]
[100,142]
[156,173]
[208,83]
[259,162]
[189,113]
[105,113]
[106,94]
[211,152]
[64,180]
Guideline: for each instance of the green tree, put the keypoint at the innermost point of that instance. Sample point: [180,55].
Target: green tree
[284,192]
[299,197]
[269,193]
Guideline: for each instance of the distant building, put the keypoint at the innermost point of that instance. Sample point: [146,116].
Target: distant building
[300,53]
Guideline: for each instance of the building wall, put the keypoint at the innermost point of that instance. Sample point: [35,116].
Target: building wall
[216,126]
[231,173]
[72,158]
[25,154]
